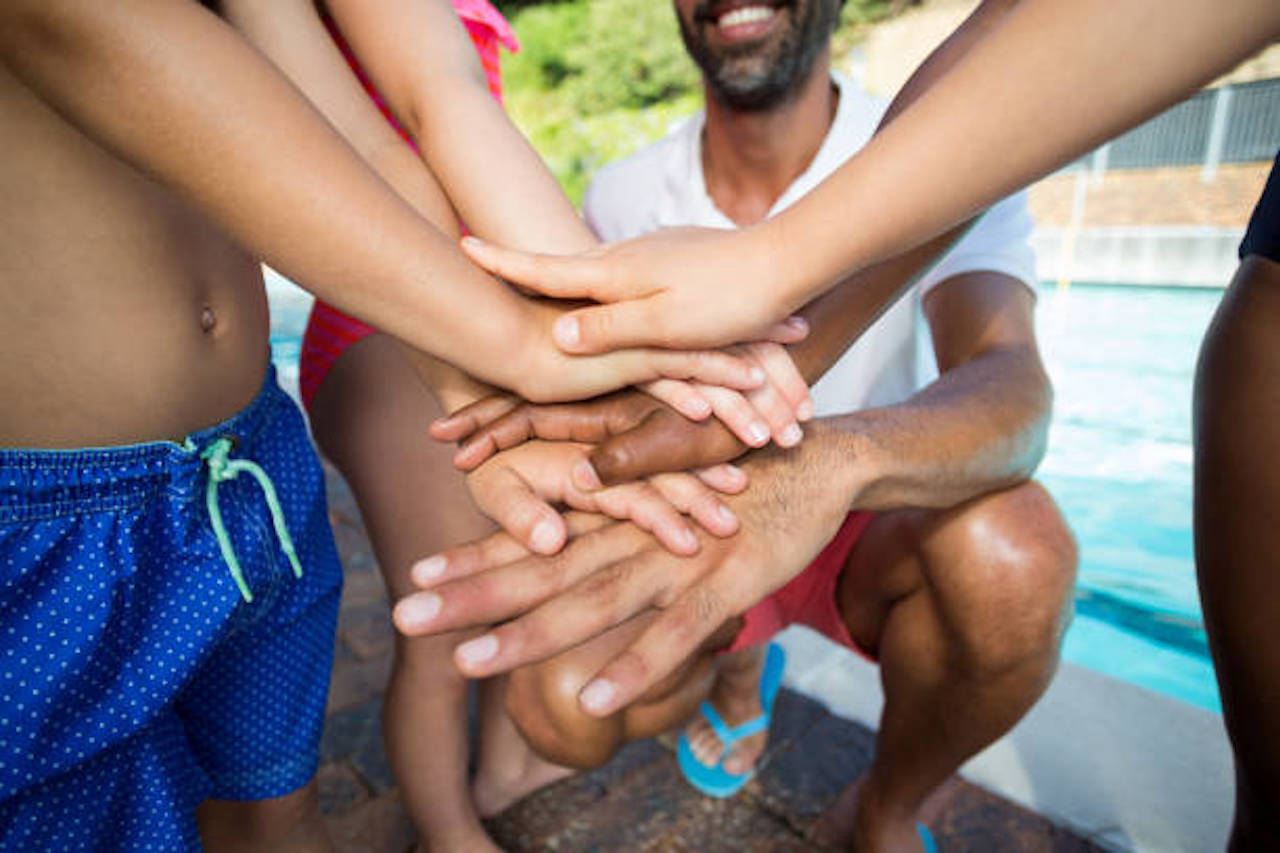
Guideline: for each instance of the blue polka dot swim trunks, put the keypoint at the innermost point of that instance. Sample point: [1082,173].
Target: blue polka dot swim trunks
[157,645]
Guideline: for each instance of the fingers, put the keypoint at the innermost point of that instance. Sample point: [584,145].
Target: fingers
[511,502]
[607,597]
[692,496]
[665,441]
[564,277]
[486,596]
[684,397]
[468,419]
[742,418]
[790,331]
[675,635]
[643,504]
[784,377]
[726,479]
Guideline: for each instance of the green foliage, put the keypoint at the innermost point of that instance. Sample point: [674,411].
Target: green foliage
[597,79]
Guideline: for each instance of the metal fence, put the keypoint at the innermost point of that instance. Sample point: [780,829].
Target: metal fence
[1236,123]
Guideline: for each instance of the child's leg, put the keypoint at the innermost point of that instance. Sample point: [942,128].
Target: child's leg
[288,824]
[370,416]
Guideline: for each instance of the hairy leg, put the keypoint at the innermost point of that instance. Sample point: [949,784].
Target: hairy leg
[1237,532]
[288,824]
[370,417]
[965,608]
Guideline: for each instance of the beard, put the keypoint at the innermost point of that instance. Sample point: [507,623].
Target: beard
[763,73]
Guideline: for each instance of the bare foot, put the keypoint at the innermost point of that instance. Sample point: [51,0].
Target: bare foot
[495,790]
[736,696]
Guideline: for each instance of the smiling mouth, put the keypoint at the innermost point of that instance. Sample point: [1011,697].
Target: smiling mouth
[731,16]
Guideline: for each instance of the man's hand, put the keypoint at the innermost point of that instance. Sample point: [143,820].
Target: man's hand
[610,573]
[636,435]
[676,287]
[517,487]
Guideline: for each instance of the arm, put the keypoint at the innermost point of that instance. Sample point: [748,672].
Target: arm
[171,89]
[1089,69]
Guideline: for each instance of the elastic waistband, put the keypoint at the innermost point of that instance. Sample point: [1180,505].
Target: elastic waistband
[37,483]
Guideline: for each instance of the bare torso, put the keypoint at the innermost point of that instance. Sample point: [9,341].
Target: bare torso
[126,316]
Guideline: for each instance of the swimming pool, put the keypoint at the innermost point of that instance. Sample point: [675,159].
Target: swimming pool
[1119,463]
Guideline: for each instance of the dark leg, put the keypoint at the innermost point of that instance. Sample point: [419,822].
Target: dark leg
[1237,530]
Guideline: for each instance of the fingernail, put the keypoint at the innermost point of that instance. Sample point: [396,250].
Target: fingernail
[469,240]
[790,436]
[757,375]
[478,650]
[585,477]
[545,537]
[566,332]
[797,322]
[804,411]
[757,433]
[686,539]
[726,515]
[598,695]
[425,571]
[418,611]
[698,408]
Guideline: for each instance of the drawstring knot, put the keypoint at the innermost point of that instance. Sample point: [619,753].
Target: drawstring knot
[223,468]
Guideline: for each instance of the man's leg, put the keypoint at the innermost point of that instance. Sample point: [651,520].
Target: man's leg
[370,417]
[1237,526]
[965,608]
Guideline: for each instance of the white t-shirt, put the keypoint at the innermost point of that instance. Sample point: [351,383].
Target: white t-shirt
[662,186]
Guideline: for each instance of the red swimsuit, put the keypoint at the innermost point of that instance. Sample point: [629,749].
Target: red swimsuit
[330,331]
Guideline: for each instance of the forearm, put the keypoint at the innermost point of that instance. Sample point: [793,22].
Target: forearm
[1085,69]
[497,182]
[171,89]
[981,426]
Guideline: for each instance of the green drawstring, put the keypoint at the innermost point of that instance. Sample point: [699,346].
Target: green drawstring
[221,469]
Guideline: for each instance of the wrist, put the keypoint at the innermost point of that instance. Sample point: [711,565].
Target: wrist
[845,456]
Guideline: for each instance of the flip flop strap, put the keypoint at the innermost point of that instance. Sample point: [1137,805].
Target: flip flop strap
[729,736]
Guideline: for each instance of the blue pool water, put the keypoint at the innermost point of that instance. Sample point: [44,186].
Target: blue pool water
[1119,463]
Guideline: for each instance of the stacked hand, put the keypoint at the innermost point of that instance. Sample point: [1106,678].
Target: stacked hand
[611,571]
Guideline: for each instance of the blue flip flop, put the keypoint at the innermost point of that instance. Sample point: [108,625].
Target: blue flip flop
[926,839]
[714,780]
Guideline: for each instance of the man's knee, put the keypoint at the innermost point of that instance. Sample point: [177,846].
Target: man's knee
[542,701]
[1009,562]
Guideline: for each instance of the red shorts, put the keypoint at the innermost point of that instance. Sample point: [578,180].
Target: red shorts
[810,598]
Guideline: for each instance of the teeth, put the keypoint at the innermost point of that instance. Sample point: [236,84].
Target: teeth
[745,15]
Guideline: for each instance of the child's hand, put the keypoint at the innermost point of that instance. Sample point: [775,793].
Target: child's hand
[517,487]
[676,287]
[774,409]
[529,363]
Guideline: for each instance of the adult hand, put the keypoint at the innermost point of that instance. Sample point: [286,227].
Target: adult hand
[636,435]
[517,487]
[676,287]
[611,573]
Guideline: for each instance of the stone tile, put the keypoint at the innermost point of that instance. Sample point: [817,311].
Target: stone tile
[979,821]
[800,780]
[363,588]
[340,789]
[354,680]
[347,730]
[367,630]
[375,826]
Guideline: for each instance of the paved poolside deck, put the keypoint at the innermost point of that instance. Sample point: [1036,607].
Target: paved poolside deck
[638,801]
